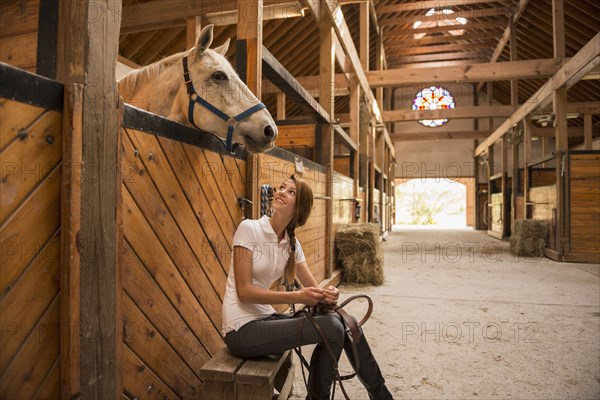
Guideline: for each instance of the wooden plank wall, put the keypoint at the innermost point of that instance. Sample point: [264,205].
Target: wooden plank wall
[584,203]
[30,187]
[542,176]
[180,212]
[301,137]
[19,33]
[273,171]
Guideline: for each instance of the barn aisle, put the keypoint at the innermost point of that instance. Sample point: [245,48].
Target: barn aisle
[459,317]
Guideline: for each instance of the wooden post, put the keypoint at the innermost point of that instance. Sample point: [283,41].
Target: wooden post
[249,64]
[355,128]
[490,173]
[514,99]
[86,55]
[193,27]
[504,184]
[587,131]
[528,128]
[559,101]
[280,106]
[371,151]
[364,35]
[327,101]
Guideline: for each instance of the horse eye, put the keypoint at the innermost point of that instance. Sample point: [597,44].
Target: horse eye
[219,76]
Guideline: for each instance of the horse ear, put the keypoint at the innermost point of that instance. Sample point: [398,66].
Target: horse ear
[222,49]
[205,39]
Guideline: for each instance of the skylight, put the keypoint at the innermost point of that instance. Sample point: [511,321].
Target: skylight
[444,19]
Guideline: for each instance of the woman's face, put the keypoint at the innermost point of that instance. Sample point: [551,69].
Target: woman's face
[284,198]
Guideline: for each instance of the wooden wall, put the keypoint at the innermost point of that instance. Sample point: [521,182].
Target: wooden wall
[19,33]
[275,167]
[30,202]
[180,212]
[584,204]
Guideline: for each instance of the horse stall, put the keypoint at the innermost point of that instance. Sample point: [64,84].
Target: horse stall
[581,239]
[498,210]
[180,211]
[31,150]
[541,202]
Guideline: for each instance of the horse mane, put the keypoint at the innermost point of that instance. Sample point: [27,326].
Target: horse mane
[130,83]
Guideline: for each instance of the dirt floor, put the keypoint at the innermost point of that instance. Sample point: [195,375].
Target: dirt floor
[459,317]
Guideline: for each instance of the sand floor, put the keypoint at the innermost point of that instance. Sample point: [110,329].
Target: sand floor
[459,317]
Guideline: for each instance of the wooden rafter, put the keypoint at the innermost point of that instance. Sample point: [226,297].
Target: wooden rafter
[161,43]
[437,49]
[489,24]
[585,60]
[436,4]
[506,35]
[435,135]
[483,13]
[437,57]
[493,33]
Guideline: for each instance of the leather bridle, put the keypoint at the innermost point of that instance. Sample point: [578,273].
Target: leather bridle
[232,121]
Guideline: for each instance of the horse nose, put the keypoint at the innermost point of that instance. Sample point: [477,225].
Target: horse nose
[269,131]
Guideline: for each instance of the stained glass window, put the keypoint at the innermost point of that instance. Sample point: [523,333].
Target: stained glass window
[433,98]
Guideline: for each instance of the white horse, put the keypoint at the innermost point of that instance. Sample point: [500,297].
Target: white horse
[214,98]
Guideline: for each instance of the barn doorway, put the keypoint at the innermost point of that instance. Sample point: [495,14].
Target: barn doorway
[434,203]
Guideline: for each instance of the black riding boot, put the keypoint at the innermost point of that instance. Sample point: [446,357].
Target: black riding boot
[368,373]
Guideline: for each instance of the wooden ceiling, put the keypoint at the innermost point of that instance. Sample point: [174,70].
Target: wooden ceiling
[294,41]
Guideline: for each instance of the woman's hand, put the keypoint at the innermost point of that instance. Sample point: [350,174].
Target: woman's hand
[331,295]
[312,295]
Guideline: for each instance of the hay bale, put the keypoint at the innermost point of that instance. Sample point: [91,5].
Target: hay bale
[529,238]
[360,254]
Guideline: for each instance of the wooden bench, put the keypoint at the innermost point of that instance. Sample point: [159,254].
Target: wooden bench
[227,377]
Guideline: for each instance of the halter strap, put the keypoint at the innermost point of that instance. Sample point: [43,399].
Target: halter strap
[231,120]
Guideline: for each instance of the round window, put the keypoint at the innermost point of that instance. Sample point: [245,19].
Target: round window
[433,98]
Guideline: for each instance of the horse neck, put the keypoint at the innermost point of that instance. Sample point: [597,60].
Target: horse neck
[156,92]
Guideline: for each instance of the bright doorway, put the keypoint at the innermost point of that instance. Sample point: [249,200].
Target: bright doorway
[432,203]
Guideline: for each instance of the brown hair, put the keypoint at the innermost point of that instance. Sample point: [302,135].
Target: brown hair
[303,207]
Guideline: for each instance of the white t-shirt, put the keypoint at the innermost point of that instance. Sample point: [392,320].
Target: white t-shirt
[268,264]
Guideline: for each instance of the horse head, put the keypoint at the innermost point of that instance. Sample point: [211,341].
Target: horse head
[215,82]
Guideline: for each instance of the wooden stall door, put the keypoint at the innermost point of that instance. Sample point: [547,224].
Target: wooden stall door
[584,205]
[30,201]
[180,212]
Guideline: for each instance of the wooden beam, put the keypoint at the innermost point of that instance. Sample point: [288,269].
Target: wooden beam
[453,113]
[193,27]
[437,57]
[506,35]
[326,142]
[249,56]
[280,106]
[334,13]
[429,4]
[86,54]
[314,7]
[354,105]
[396,51]
[586,59]
[364,35]
[469,26]
[269,12]
[411,19]
[491,34]
[526,69]
[417,136]
[587,132]
[280,77]
[160,14]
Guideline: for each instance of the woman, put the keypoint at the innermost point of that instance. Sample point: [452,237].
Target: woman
[266,250]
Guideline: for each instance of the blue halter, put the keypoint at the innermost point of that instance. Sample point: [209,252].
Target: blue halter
[231,121]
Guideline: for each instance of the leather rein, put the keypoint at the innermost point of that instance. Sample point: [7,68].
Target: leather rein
[232,121]
[352,328]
